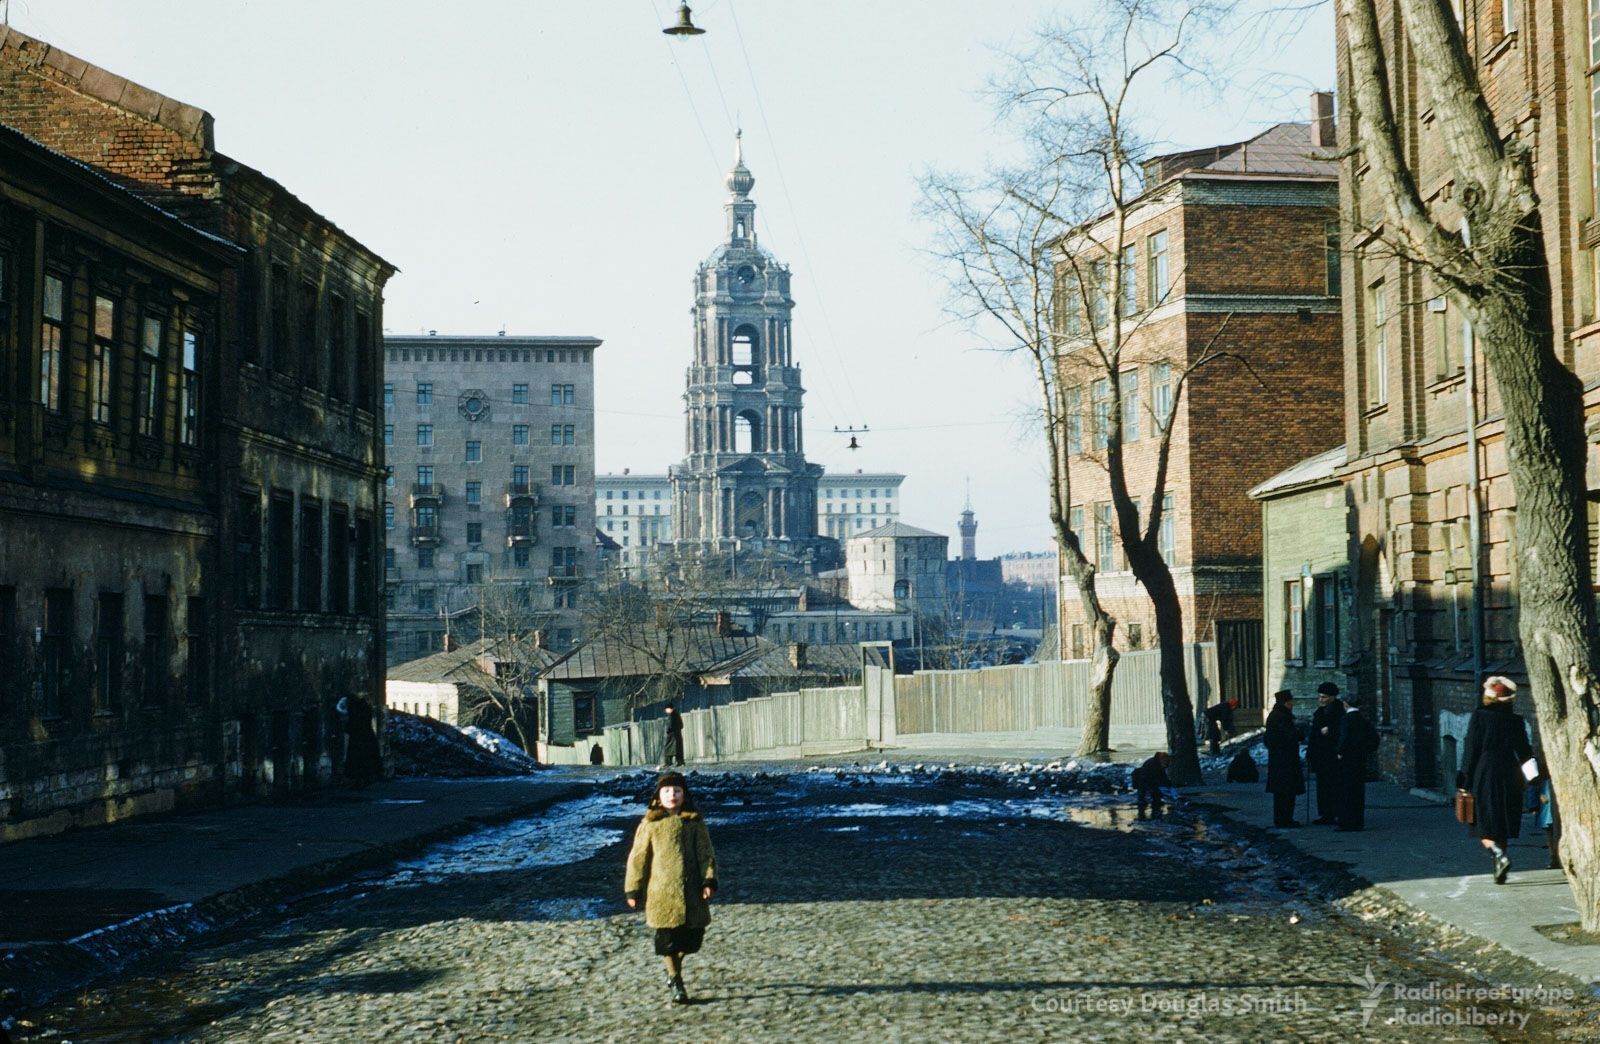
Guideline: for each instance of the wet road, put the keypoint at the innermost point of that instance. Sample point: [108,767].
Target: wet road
[940,907]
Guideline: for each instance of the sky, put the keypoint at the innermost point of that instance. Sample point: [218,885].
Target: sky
[555,168]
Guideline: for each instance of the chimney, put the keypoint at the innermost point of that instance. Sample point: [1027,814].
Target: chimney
[724,623]
[1323,129]
[797,655]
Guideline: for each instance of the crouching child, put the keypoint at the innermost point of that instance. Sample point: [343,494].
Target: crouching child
[1150,782]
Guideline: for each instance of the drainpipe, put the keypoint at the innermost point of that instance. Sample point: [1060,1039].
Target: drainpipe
[1474,505]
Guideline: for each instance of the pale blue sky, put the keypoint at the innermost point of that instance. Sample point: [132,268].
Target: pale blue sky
[555,168]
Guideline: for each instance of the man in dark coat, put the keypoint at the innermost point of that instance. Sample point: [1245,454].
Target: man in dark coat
[1148,779]
[673,754]
[1491,767]
[1219,723]
[1321,753]
[1358,739]
[1285,781]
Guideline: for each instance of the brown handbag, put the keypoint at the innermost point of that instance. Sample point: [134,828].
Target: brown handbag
[1466,807]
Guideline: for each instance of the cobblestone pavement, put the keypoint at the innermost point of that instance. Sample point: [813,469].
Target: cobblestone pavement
[938,908]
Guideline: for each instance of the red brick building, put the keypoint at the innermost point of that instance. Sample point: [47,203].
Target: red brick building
[1230,249]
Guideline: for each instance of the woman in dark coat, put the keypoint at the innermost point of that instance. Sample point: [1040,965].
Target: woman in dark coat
[1497,745]
[1285,780]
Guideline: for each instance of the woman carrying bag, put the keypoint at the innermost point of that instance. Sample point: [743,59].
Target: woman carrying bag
[1497,746]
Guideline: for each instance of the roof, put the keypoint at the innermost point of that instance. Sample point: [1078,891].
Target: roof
[896,529]
[452,666]
[1311,471]
[644,650]
[771,660]
[1283,149]
[494,340]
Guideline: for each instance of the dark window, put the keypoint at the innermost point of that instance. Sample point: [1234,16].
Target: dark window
[5,323]
[338,351]
[189,390]
[427,516]
[521,558]
[425,394]
[563,474]
[519,435]
[247,550]
[474,573]
[197,671]
[424,558]
[306,327]
[10,646]
[1325,622]
[561,394]
[388,516]
[52,342]
[365,353]
[279,354]
[150,379]
[155,654]
[338,560]
[519,474]
[474,494]
[425,599]
[474,451]
[366,582]
[280,553]
[310,555]
[108,637]
[103,360]
[388,396]
[56,670]
[519,394]
[583,722]
[474,532]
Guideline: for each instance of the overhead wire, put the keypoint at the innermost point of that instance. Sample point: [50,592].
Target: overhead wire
[672,59]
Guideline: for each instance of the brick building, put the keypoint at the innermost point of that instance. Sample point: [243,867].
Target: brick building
[1228,249]
[490,445]
[193,476]
[1410,485]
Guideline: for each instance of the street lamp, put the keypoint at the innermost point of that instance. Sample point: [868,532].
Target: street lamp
[685,26]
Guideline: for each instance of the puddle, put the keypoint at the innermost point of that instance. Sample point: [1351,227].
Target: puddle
[568,833]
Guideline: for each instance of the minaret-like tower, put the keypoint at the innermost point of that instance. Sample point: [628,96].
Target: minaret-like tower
[968,526]
[744,476]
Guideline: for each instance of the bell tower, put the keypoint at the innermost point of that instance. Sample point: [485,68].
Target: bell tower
[744,476]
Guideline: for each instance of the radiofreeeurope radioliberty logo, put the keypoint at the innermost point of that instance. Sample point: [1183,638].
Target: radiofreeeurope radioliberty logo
[1453,1004]
[1373,996]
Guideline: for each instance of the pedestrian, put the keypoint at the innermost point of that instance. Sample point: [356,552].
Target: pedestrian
[672,750]
[1285,780]
[1219,722]
[1358,740]
[362,761]
[672,869]
[1322,755]
[1149,779]
[1491,768]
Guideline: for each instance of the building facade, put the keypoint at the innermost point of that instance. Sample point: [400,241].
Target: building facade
[490,443]
[190,482]
[745,478]
[899,569]
[1230,249]
[1032,569]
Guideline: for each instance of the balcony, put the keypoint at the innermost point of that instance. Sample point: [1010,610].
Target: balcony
[430,492]
[521,493]
[564,574]
[391,574]
[519,533]
[425,536]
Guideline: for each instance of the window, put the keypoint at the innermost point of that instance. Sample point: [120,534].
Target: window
[388,396]
[338,351]
[425,394]
[519,475]
[1439,320]
[1075,524]
[103,356]
[474,532]
[150,378]
[583,722]
[1100,403]
[1074,408]
[474,573]
[366,355]
[1325,618]
[566,435]
[1330,254]
[1135,636]
[366,578]
[563,475]
[388,516]
[519,435]
[1294,624]
[307,330]
[311,556]
[388,436]
[1128,381]
[1071,306]
[153,652]
[425,517]
[474,494]
[389,560]
[52,342]
[1156,274]
[1378,375]
[56,650]
[6,269]
[566,598]
[189,390]
[520,558]
[1508,16]
[1102,295]
[10,639]
[424,558]
[519,395]
[1105,539]
[1078,649]
[1166,536]
[424,434]
[1128,299]
[279,317]
[108,655]
[280,552]
[338,560]
[561,394]
[198,667]
[474,451]
[563,561]
[425,600]
[424,474]
[247,549]
[563,515]
[1161,394]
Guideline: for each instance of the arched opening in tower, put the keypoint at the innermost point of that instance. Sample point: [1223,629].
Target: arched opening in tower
[744,346]
[747,433]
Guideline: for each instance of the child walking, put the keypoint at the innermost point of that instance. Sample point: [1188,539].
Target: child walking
[673,869]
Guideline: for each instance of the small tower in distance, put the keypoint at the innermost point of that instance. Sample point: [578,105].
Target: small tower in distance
[969,530]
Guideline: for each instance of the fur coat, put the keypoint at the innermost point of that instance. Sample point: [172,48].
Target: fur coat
[671,861]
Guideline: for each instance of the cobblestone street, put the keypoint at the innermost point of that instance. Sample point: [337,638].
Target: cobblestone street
[943,906]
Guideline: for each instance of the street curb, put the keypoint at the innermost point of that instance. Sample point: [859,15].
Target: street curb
[38,974]
[1380,910]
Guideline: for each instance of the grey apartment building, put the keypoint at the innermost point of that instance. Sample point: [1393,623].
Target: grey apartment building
[490,447]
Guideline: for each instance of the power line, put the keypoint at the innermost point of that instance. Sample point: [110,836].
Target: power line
[687,93]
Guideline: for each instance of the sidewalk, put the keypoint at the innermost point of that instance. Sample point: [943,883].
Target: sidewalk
[76,904]
[1414,849]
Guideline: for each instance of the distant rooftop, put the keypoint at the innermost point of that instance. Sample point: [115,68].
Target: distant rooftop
[1283,150]
[497,340]
[897,529]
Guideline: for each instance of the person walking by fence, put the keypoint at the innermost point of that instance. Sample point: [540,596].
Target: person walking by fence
[1491,769]
[1358,741]
[672,749]
[1322,754]
[672,869]
[1285,780]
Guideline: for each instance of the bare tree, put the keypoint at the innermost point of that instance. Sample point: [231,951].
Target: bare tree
[498,682]
[1499,269]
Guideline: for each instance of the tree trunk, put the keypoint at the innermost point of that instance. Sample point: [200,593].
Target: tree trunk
[1103,656]
[1176,704]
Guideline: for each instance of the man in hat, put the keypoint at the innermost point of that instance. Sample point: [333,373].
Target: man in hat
[1321,754]
[672,753]
[1358,740]
[1285,781]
